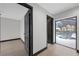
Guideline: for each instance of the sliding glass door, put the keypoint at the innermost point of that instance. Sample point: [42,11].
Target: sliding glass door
[66,32]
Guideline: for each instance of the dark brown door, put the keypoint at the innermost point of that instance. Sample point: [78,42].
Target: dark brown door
[26,35]
[49,29]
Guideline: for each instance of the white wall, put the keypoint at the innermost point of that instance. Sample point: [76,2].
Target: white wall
[39,28]
[10,28]
[13,24]
[22,29]
[70,13]
[0,26]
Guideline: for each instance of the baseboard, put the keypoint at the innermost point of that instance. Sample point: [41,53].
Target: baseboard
[22,41]
[35,54]
[77,51]
[54,43]
[10,40]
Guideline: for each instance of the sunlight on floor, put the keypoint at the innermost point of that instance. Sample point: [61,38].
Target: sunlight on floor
[67,42]
[58,50]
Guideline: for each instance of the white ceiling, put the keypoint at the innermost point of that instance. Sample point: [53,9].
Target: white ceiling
[15,11]
[12,10]
[56,8]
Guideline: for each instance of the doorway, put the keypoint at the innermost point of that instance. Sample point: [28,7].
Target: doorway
[49,29]
[16,35]
[66,32]
[28,30]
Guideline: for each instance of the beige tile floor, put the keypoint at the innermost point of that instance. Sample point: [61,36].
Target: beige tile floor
[13,48]
[58,50]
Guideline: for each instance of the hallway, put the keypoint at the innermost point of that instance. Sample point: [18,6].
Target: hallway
[58,50]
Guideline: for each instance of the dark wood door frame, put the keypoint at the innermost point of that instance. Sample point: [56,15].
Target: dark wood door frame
[51,29]
[76,30]
[30,27]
